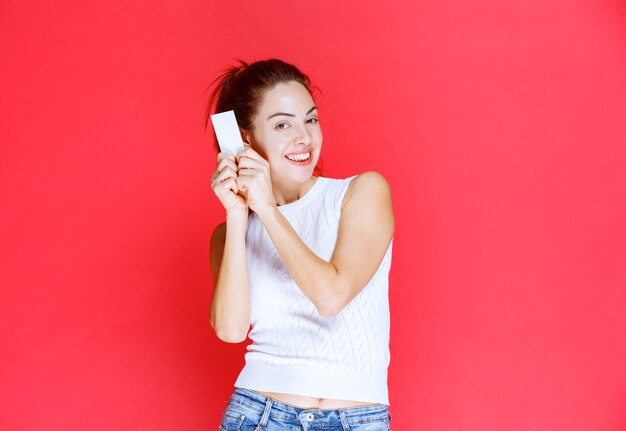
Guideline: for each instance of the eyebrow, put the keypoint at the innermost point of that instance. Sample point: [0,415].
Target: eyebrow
[290,115]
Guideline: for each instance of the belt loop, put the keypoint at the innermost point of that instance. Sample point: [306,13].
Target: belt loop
[344,420]
[266,412]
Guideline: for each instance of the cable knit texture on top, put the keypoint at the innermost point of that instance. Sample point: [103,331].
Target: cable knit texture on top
[294,349]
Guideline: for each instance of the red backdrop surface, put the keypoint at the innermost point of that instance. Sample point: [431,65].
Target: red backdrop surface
[501,127]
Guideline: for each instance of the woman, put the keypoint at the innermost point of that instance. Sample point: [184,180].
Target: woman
[304,259]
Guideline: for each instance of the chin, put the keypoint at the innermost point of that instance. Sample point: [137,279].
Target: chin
[298,177]
[303,177]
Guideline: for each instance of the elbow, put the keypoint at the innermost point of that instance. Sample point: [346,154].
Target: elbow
[330,309]
[328,312]
[229,333]
[333,302]
[232,337]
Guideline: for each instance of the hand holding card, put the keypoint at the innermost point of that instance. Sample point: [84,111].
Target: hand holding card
[227,131]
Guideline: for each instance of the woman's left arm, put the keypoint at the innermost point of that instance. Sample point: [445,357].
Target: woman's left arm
[366,228]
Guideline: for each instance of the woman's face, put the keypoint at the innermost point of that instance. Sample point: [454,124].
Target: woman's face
[287,133]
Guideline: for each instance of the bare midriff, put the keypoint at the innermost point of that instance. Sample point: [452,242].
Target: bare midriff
[304,402]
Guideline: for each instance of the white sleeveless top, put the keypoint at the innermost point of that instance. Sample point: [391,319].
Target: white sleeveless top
[294,349]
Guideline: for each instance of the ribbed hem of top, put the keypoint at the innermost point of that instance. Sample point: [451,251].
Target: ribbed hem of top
[313,382]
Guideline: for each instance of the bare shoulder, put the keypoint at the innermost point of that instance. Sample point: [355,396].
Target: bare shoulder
[369,186]
[367,222]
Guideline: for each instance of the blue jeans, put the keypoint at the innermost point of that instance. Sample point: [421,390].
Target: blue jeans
[250,411]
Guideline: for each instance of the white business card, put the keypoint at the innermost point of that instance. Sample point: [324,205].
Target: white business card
[227,131]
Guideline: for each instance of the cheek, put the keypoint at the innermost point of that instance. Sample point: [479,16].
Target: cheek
[318,134]
[318,138]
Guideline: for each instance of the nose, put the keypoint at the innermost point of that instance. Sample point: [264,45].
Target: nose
[303,136]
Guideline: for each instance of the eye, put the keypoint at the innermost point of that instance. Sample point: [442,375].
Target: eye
[281,126]
[312,121]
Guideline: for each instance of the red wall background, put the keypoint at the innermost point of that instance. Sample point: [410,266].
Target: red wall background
[501,127]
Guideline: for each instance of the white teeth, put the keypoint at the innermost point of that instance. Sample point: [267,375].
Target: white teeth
[299,157]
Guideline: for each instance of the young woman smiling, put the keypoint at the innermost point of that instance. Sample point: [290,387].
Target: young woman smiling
[304,259]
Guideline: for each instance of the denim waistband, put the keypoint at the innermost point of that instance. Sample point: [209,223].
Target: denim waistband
[256,404]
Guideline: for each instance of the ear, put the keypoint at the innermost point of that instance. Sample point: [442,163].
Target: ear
[246,138]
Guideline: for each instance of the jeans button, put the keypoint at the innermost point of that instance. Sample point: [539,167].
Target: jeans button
[309,416]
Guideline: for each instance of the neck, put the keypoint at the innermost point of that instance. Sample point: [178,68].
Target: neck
[287,193]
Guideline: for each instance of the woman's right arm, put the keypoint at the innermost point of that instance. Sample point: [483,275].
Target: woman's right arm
[230,306]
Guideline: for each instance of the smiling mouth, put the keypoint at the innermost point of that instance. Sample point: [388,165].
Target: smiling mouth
[299,157]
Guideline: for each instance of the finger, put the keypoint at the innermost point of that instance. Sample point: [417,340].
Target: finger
[225,156]
[222,176]
[245,151]
[249,173]
[243,183]
[227,186]
[249,167]
[227,162]
[224,171]
[251,154]
[249,182]
[226,167]
[248,163]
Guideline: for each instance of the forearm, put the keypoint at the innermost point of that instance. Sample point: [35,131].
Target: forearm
[317,278]
[230,307]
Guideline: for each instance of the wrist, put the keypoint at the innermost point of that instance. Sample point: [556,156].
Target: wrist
[266,211]
[237,217]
